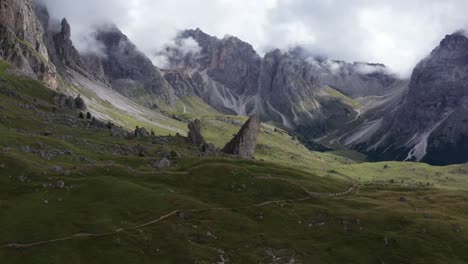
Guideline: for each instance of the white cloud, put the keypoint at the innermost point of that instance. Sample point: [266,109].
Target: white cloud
[398,33]
[176,49]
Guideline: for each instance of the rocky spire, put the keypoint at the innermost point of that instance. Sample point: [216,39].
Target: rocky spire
[65,50]
[243,144]
[194,135]
[66,30]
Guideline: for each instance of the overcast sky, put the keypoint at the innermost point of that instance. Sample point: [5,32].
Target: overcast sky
[397,33]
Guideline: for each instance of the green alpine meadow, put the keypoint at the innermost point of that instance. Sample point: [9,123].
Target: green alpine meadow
[116,148]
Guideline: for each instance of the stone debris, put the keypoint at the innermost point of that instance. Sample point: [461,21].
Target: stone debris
[162,164]
[141,132]
[60,184]
[57,168]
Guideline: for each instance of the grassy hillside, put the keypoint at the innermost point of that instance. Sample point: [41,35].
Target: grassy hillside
[72,193]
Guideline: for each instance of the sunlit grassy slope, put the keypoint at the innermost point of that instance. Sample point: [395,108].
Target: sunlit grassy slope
[275,209]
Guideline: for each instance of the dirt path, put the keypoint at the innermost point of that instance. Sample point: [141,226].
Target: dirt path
[355,188]
[175,212]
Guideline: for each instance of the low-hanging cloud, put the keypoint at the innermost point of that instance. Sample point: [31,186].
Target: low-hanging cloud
[176,50]
[397,33]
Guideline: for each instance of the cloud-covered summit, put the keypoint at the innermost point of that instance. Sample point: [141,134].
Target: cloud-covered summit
[397,33]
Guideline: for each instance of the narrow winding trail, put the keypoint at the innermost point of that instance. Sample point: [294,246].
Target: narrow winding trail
[354,188]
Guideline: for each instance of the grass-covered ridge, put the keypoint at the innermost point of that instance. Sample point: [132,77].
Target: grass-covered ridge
[113,207]
[343,98]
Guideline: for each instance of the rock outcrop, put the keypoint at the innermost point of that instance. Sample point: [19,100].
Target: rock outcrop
[70,102]
[141,132]
[22,41]
[195,136]
[243,144]
[164,163]
[65,50]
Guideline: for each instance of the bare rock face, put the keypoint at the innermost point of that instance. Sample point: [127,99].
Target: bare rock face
[182,83]
[431,123]
[141,132]
[22,41]
[130,72]
[229,61]
[69,102]
[164,163]
[195,136]
[243,144]
[79,103]
[280,87]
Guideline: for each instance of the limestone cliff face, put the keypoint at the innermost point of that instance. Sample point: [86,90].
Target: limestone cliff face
[431,122]
[229,61]
[130,71]
[183,83]
[22,41]
[288,90]
[279,87]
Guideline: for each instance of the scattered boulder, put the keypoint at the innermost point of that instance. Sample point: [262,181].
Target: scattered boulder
[69,102]
[162,164]
[56,168]
[208,147]
[243,144]
[6,149]
[26,149]
[60,184]
[118,132]
[141,132]
[175,154]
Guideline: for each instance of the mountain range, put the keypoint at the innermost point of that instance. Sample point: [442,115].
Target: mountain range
[361,106]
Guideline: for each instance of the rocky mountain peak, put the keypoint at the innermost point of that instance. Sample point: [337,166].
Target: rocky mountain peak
[454,40]
[66,30]
[66,52]
[452,46]
[111,36]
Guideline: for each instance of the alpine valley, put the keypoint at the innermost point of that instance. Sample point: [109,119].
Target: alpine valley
[225,155]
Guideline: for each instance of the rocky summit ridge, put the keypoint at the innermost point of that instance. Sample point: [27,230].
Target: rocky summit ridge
[360,105]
